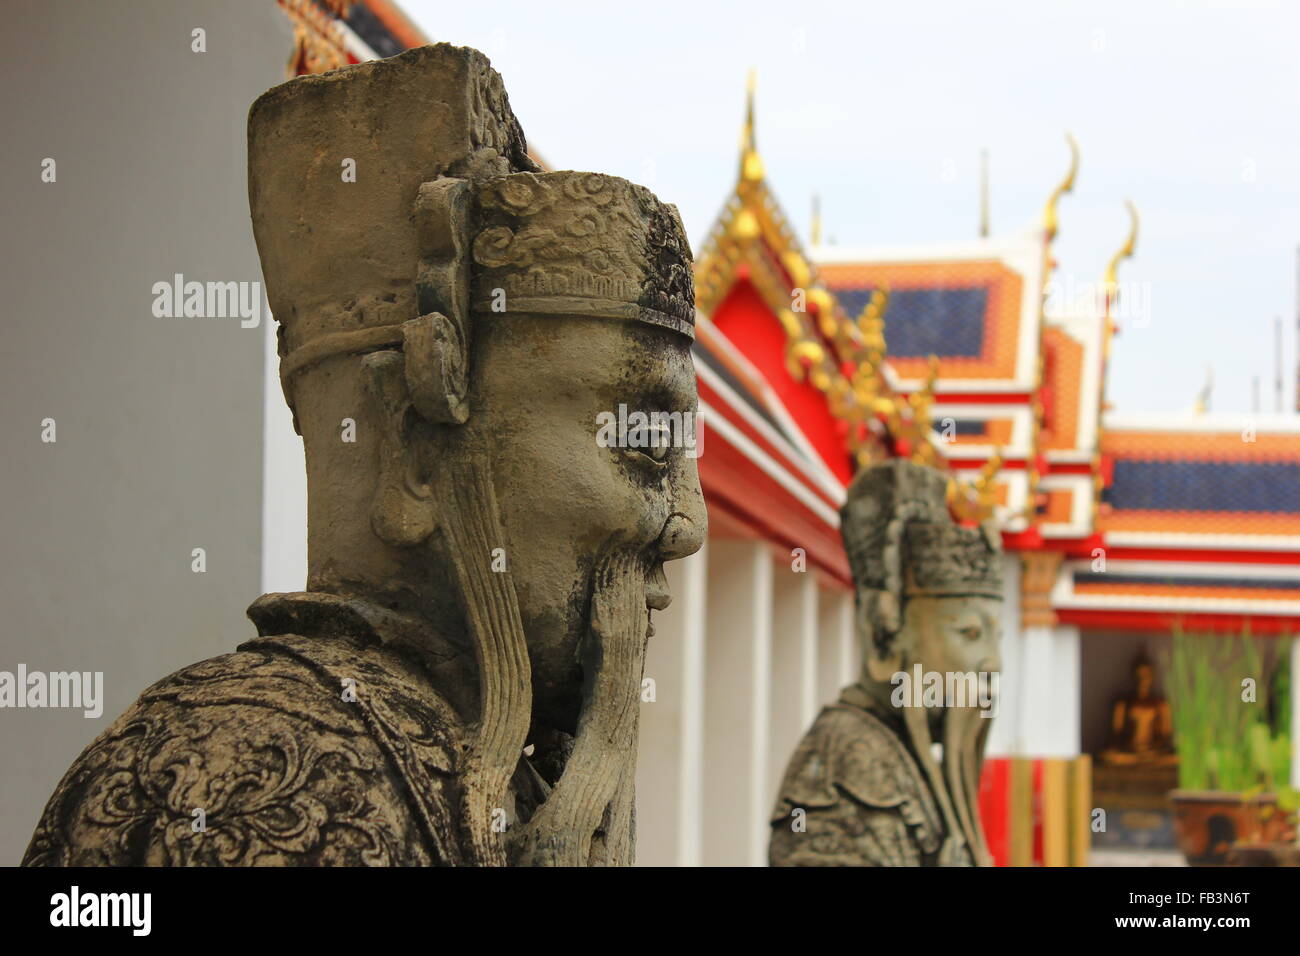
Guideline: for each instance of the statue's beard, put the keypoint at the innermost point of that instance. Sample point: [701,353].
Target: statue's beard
[587,819]
[963,733]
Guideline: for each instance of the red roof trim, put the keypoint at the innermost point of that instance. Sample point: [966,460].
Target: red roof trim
[1261,624]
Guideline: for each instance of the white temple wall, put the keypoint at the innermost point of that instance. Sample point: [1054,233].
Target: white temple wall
[158,421]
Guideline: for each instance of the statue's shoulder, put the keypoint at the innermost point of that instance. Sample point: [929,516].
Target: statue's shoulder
[849,750]
[859,796]
[290,751]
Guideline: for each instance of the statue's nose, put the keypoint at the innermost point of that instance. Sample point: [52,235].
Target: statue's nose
[683,534]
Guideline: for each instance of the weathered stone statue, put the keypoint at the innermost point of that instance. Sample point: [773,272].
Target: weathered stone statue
[864,787]
[1141,724]
[460,682]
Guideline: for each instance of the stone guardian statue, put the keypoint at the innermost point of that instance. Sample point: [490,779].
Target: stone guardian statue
[865,786]
[459,682]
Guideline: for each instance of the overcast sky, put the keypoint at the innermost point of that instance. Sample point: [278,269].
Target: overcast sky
[1191,109]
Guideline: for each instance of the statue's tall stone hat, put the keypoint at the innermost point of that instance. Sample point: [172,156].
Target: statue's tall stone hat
[394,200]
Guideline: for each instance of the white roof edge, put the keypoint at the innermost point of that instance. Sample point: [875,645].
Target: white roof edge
[992,248]
[1197,541]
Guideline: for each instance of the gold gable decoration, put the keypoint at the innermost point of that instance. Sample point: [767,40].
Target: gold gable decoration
[843,358]
[976,501]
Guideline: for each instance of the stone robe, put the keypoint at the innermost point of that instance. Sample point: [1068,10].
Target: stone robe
[865,799]
[286,771]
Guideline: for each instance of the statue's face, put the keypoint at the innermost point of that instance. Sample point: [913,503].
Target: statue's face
[540,387]
[954,634]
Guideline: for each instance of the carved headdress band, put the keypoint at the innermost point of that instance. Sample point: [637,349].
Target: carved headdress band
[555,243]
[547,243]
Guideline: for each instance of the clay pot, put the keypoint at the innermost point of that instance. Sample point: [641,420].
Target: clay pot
[1207,823]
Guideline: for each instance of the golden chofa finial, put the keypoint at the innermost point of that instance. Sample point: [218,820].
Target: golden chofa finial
[1050,221]
[984,193]
[1110,278]
[751,167]
[1207,390]
[815,233]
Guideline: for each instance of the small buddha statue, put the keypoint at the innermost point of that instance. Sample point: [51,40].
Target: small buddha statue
[1141,725]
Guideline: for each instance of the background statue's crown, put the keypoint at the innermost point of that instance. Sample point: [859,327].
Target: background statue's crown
[900,536]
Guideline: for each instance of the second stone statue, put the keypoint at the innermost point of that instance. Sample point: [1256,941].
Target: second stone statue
[888,775]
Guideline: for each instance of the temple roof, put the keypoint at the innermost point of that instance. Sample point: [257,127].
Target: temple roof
[1202,481]
[822,353]
[973,305]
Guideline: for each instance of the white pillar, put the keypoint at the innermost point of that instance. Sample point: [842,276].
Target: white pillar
[810,701]
[670,757]
[834,608]
[1047,713]
[1048,723]
[794,666]
[1004,737]
[738,665]
[850,659]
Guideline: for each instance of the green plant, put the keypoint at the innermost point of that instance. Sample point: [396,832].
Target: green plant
[1225,742]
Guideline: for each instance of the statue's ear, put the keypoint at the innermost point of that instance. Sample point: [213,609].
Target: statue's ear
[428,381]
[879,623]
[402,512]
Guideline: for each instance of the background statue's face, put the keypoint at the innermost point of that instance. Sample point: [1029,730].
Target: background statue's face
[566,502]
[954,634]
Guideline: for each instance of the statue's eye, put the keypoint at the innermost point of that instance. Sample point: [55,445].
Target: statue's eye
[660,441]
[654,452]
[972,633]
